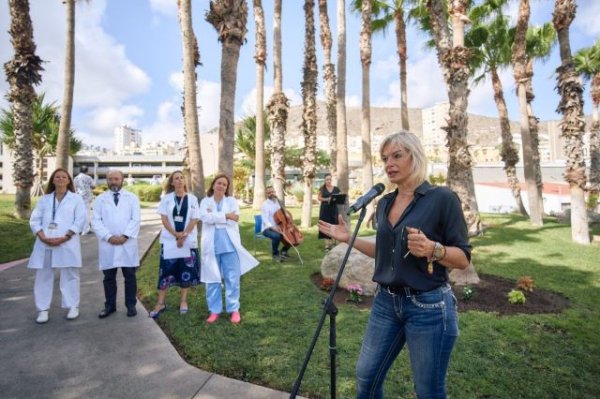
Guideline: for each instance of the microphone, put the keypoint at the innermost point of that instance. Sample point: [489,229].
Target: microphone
[363,201]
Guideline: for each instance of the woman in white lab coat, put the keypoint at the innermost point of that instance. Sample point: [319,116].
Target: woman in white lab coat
[57,220]
[179,261]
[223,256]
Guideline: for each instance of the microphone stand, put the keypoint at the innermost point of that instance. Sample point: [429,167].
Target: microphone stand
[329,309]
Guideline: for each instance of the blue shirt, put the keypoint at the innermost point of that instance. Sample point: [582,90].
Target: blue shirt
[223,243]
[436,211]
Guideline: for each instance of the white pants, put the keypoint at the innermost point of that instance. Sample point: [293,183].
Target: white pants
[44,285]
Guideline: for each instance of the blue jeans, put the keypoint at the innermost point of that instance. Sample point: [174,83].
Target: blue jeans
[427,323]
[275,240]
[229,266]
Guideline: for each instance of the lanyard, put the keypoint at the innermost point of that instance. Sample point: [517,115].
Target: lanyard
[54,207]
[178,204]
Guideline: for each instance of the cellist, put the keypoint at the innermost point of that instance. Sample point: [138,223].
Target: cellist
[270,229]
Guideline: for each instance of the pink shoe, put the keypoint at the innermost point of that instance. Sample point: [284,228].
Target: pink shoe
[212,318]
[235,317]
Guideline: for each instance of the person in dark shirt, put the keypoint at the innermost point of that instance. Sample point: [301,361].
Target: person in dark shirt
[421,234]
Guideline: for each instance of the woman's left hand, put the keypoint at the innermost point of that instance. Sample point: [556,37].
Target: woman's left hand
[418,243]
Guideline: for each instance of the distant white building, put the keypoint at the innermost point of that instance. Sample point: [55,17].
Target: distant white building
[127,140]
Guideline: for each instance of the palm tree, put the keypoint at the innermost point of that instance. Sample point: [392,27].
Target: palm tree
[278,108]
[191,59]
[385,12]
[309,114]
[44,135]
[341,128]
[540,40]
[573,123]
[260,57]
[229,18]
[365,125]
[246,142]
[528,136]
[587,63]
[454,57]
[62,152]
[491,43]
[329,79]
[22,73]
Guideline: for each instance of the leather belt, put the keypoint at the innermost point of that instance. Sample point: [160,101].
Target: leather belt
[400,290]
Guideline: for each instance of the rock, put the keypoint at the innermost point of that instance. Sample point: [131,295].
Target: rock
[359,268]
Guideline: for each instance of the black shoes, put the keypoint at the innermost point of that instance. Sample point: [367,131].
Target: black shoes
[131,311]
[106,312]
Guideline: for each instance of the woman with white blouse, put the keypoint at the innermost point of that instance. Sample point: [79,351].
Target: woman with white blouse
[179,263]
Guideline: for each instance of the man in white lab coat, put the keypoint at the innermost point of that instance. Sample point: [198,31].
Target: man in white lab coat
[116,223]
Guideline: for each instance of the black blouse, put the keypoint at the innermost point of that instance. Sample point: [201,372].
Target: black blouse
[436,211]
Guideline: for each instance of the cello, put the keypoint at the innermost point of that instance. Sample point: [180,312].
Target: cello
[291,235]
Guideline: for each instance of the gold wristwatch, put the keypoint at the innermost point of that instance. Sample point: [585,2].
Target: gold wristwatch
[439,251]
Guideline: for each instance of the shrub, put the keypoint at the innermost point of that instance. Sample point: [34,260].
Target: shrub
[467,292]
[526,283]
[516,297]
[147,193]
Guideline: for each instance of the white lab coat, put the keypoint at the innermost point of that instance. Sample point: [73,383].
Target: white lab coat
[167,203]
[71,215]
[116,220]
[211,217]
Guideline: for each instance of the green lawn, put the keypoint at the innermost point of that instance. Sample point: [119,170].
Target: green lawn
[544,356]
[16,239]
[525,356]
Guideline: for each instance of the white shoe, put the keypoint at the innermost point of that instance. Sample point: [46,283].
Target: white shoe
[73,314]
[42,317]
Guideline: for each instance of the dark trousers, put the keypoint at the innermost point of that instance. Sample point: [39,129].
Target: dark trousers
[275,240]
[110,287]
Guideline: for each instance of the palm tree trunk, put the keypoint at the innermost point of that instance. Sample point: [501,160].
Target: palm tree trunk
[230,55]
[365,125]
[570,87]
[595,136]
[278,108]
[62,147]
[341,128]
[260,57]
[229,19]
[309,115]
[191,58]
[534,123]
[519,61]
[454,61]
[22,73]
[402,56]
[329,79]
[509,153]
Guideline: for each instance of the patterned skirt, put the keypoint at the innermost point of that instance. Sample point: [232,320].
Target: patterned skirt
[182,272]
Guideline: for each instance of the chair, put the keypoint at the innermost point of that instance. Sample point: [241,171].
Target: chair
[257,230]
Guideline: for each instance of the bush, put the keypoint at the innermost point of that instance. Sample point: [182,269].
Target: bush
[147,193]
[516,297]
[467,292]
[526,283]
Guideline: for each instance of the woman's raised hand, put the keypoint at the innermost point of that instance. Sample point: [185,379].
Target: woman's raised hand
[338,231]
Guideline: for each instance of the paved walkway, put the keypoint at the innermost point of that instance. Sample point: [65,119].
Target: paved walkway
[118,357]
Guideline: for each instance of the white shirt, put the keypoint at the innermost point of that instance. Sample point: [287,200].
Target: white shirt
[267,210]
[84,185]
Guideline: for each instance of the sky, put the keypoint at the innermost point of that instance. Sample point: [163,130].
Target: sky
[129,61]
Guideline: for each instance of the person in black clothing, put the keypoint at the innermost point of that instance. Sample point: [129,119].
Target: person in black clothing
[328,211]
[421,234]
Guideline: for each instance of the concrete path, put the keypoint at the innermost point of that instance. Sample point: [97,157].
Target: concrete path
[118,357]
